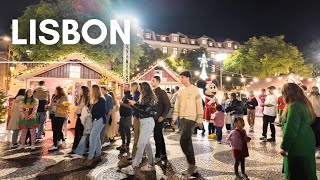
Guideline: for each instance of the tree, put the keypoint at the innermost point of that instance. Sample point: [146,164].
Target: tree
[81,11]
[150,55]
[265,56]
[312,55]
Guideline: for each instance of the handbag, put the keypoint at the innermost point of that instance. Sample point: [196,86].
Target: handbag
[88,123]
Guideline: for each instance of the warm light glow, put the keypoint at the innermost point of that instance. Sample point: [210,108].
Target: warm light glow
[228,78]
[255,79]
[268,80]
[179,69]
[251,82]
[221,56]
[161,64]
[6,38]
[243,79]
[301,78]
[213,76]
[12,68]
[279,78]
[138,69]
[197,73]
[310,79]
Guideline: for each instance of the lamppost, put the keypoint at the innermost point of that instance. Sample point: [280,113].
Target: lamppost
[219,58]
[8,40]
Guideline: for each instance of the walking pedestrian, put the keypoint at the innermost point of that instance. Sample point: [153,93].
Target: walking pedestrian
[146,111]
[28,118]
[163,108]
[269,115]
[298,140]
[109,107]
[235,108]
[43,95]
[251,105]
[136,123]
[189,108]
[15,117]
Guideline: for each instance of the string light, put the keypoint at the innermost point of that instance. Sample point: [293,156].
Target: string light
[228,78]
[197,73]
[268,79]
[255,79]
[243,79]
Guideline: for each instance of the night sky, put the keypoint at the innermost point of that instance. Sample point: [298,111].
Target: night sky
[239,20]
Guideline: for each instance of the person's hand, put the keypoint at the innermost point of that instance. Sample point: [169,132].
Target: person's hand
[131,102]
[160,119]
[283,153]
[173,122]
[200,125]
[248,139]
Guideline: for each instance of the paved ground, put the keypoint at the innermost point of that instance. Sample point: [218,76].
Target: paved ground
[214,160]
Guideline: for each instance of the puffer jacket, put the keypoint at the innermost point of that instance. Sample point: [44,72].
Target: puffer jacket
[235,107]
[146,110]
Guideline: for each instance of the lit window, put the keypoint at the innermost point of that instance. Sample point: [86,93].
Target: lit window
[229,45]
[212,54]
[175,51]
[204,41]
[183,40]
[219,44]
[75,72]
[163,38]
[210,43]
[148,36]
[184,51]
[192,41]
[175,38]
[165,50]
[236,47]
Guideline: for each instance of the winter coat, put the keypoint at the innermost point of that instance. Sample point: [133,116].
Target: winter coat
[15,115]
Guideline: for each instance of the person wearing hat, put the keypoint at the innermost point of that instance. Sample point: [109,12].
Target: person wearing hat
[189,109]
[269,115]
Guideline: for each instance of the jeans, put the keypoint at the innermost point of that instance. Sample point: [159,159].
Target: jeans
[251,117]
[42,116]
[15,135]
[219,133]
[124,128]
[233,117]
[78,132]
[266,120]
[159,140]
[211,128]
[94,140]
[103,134]
[146,127]
[186,140]
[136,134]
[57,123]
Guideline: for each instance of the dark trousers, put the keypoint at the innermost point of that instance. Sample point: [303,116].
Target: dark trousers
[266,121]
[187,127]
[316,130]
[159,140]
[124,128]
[219,133]
[228,127]
[57,123]
[240,161]
[78,132]
[211,128]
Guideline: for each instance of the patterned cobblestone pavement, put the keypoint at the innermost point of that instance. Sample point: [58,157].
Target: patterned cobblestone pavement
[214,160]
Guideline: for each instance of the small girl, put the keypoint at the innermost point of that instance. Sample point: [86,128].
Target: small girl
[218,121]
[238,139]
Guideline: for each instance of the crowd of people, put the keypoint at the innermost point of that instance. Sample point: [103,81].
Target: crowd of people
[147,109]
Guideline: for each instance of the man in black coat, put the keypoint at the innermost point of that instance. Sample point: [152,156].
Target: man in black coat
[163,108]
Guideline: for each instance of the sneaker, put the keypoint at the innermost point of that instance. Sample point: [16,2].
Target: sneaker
[77,156]
[245,177]
[219,142]
[106,144]
[157,160]
[33,147]
[128,170]
[60,143]
[88,162]
[164,157]
[238,177]
[190,171]
[271,140]
[147,167]
[64,145]
[264,139]
[53,148]
[38,138]
[14,146]
[20,147]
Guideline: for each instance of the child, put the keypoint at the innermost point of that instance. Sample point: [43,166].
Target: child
[218,120]
[238,139]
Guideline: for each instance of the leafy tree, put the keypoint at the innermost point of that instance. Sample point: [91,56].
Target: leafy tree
[80,11]
[312,55]
[150,55]
[265,56]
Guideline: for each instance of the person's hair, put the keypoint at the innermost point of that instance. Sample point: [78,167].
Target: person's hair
[104,88]
[26,95]
[272,88]
[233,95]
[95,94]
[226,96]
[21,92]
[263,89]
[157,78]
[292,93]
[219,107]
[41,83]
[316,88]
[168,89]
[60,92]
[186,74]
[146,92]
[238,119]
[85,95]
[303,87]
[114,98]
[134,84]
[177,88]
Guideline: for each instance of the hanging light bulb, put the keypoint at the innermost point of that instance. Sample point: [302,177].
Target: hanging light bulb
[255,79]
[213,76]
[310,80]
[228,78]
[268,79]
[243,79]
